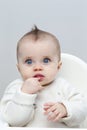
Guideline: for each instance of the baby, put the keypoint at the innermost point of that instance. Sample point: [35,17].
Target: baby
[41,98]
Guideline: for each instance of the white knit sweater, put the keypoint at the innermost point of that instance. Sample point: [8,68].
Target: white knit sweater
[21,109]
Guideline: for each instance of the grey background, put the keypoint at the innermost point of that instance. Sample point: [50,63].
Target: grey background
[67,19]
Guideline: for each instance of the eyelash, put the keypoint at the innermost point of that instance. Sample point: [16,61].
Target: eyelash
[26,61]
[48,60]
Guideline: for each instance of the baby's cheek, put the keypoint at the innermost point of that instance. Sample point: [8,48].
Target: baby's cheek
[52,73]
[25,76]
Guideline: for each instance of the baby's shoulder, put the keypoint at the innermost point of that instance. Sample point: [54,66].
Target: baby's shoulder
[63,84]
[14,85]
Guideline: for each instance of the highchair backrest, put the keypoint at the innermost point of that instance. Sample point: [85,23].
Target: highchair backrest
[74,70]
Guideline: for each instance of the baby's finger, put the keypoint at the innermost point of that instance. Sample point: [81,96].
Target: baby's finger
[49,104]
[37,78]
[58,117]
[52,115]
[51,109]
[41,88]
[46,107]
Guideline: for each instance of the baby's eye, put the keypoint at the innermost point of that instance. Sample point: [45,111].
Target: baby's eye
[29,61]
[46,60]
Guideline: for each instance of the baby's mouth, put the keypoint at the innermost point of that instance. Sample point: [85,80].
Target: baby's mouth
[39,76]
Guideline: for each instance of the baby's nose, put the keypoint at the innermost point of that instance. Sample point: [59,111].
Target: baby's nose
[38,67]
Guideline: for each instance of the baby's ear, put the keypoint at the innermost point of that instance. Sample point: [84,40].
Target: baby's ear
[59,64]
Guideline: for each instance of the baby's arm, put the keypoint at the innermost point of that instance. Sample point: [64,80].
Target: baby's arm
[73,102]
[17,106]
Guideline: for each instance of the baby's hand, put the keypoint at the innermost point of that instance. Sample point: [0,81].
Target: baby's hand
[31,86]
[55,111]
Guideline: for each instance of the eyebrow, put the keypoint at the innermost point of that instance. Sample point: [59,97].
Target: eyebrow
[28,57]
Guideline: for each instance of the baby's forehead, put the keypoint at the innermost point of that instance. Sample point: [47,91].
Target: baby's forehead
[27,42]
[43,46]
[42,40]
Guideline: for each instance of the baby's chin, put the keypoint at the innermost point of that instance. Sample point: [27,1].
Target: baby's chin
[45,84]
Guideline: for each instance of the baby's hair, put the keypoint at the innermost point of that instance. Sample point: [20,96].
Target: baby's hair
[36,34]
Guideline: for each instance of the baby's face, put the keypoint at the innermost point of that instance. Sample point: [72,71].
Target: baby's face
[38,59]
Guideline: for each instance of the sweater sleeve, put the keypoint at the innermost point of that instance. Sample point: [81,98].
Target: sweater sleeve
[75,103]
[17,108]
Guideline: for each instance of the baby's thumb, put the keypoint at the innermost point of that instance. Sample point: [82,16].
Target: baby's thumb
[41,87]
